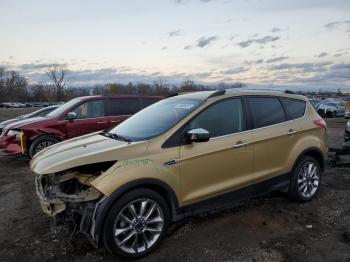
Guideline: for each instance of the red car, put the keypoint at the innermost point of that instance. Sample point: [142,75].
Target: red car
[77,117]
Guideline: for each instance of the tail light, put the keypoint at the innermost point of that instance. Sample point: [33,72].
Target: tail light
[321,123]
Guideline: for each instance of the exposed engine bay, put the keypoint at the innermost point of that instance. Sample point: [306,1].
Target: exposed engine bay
[69,197]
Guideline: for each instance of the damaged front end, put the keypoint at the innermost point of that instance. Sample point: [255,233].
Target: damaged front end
[68,197]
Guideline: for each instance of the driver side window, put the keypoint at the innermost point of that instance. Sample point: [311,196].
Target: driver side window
[90,109]
[223,118]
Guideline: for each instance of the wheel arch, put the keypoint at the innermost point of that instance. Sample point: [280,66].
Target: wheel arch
[315,153]
[153,184]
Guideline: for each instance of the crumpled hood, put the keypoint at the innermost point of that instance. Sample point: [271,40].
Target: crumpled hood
[84,150]
[22,122]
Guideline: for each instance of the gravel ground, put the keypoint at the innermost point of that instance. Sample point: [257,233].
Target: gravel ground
[269,228]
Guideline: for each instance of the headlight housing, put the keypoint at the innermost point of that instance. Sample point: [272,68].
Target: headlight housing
[15,133]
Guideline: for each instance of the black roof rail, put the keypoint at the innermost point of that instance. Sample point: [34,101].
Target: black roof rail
[286,91]
[217,93]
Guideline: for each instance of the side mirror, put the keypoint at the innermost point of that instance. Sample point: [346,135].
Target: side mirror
[71,116]
[197,135]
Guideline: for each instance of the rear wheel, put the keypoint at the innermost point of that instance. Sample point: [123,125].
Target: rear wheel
[306,180]
[136,224]
[41,143]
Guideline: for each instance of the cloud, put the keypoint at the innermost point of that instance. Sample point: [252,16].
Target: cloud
[275,30]
[174,33]
[245,44]
[303,67]
[235,71]
[323,54]
[34,66]
[277,59]
[335,24]
[263,40]
[204,41]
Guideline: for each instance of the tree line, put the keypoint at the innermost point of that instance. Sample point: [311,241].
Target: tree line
[15,88]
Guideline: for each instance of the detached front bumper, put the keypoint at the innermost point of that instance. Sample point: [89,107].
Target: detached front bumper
[11,146]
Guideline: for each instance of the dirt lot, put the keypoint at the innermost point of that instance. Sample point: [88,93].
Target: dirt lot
[269,228]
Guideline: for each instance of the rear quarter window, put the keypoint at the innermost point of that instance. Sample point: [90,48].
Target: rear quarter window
[266,111]
[148,101]
[123,106]
[295,108]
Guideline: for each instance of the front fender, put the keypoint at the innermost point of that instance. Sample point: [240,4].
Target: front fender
[124,172]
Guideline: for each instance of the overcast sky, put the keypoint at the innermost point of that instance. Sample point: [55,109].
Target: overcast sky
[302,43]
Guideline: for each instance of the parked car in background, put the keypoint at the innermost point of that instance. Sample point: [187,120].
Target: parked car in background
[347,132]
[315,103]
[181,156]
[77,117]
[39,113]
[347,107]
[331,108]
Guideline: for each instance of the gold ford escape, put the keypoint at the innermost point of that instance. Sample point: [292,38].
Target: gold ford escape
[183,155]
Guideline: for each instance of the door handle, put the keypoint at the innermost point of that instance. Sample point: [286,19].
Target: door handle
[101,122]
[240,144]
[291,132]
[114,121]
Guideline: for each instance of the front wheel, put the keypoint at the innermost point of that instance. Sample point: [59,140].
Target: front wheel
[136,224]
[306,180]
[41,143]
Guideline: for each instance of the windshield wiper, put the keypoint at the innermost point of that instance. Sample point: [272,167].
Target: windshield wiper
[116,136]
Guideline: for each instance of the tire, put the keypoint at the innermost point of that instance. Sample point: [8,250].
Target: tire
[137,228]
[334,114]
[40,143]
[304,186]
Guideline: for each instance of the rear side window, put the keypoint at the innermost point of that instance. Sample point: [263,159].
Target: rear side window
[266,111]
[148,101]
[90,109]
[223,118]
[123,106]
[295,108]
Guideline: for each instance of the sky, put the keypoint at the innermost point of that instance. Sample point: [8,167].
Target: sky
[299,43]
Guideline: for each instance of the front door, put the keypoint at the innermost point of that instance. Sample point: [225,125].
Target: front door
[91,117]
[224,162]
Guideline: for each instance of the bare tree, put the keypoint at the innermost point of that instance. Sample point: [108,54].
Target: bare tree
[57,74]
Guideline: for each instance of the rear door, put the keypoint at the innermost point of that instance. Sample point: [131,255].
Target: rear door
[273,136]
[120,109]
[91,117]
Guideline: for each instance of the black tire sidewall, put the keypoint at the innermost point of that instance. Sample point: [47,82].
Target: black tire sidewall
[108,238]
[294,191]
[39,140]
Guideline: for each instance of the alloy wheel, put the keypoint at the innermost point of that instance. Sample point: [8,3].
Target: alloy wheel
[308,179]
[43,145]
[138,226]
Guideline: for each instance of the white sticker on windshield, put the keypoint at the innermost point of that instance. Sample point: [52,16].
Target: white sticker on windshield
[184,106]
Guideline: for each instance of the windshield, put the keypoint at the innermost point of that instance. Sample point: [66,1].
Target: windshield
[42,112]
[155,119]
[58,111]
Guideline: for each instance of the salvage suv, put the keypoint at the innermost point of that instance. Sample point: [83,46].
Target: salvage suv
[77,117]
[183,155]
